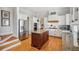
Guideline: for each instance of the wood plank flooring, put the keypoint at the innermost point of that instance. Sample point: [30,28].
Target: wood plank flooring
[53,44]
[5,36]
[8,43]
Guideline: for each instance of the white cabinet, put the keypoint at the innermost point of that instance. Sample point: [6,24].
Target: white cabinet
[68,19]
[52,17]
[62,20]
[74,15]
[67,41]
[58,32]
[50,32]
[54,32]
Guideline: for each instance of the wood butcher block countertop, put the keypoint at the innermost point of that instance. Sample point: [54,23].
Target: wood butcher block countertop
[39,31]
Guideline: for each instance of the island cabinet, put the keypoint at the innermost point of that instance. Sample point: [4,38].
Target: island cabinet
[39,38]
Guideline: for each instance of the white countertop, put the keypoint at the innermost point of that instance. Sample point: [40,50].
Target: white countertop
[39,31]
[66,31]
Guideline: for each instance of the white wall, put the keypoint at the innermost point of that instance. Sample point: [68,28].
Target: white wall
[68,19]
[15,21]
[45,22]
[7,29]
[23,14]
[30,24]
[14,17]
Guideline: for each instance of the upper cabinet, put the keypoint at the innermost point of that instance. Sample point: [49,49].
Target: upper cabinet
[61,20]
[52,16]
[75,14]
[68,19]
[74,11]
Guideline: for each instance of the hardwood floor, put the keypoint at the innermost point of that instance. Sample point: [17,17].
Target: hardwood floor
[9,43]
[53,44]
[4,36]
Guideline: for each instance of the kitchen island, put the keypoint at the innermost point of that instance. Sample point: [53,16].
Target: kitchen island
[39,38]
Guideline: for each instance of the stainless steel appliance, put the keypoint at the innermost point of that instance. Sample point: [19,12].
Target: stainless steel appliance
[35,26]
[64,27]
[23,29]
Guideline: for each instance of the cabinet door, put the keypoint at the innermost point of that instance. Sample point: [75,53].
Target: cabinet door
[49,18]
[66,41]
[61,20]
[74,14]
[50,32]
[67,19]
[53,32]
[52,17]
[58,32]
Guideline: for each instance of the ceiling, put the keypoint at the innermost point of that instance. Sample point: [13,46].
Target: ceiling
[44,11]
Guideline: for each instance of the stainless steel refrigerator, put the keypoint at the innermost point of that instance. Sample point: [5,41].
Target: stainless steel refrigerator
[23,29]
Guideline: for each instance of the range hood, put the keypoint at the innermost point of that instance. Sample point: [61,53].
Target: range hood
[53,17]
[52,13]
[53,21]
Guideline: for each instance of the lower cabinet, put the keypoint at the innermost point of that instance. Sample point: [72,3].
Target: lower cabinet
[67,41]
[51,32]
[58,33]
[54,32]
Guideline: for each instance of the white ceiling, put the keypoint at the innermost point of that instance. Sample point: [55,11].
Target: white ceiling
[43,11]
